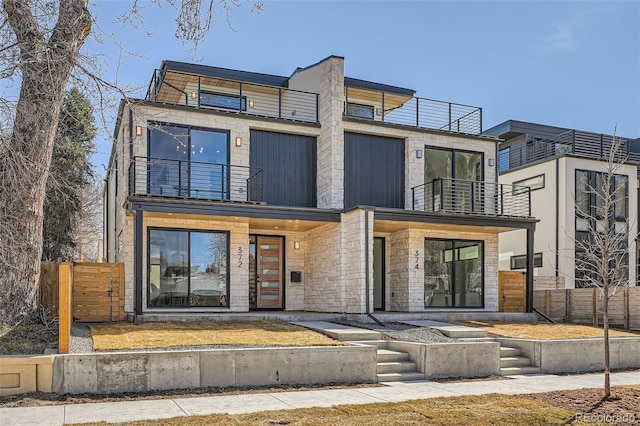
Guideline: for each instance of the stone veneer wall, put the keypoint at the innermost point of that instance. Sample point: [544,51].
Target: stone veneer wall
[331,141]
[354,252]
[407,281]
[323,289]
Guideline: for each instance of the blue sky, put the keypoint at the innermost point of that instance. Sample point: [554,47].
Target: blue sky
[569,64]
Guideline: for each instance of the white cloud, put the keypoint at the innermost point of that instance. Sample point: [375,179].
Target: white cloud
[564,36]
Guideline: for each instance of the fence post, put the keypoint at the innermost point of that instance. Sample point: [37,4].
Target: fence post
[626,307]
[65,282]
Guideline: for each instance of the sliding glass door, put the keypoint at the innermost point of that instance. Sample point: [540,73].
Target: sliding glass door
[188,162]
[453,273]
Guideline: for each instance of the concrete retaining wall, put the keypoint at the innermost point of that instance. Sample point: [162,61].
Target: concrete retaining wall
[24,373]
[143,371]
[578,355]
[439,360]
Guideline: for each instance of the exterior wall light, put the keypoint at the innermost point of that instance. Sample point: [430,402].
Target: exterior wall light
[492,162]
[194,94]
[138,130]
[296,245]
[238,141]
[419,153]
[251,103]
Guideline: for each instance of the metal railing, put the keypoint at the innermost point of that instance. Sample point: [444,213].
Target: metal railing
[587,144]
[416,112]
[466,196]
[241,97]
[193,179]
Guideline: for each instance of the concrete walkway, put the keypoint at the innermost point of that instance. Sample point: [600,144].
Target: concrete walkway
[450,330]
[113,412]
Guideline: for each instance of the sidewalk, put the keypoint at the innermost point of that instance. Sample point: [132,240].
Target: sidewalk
[235,404]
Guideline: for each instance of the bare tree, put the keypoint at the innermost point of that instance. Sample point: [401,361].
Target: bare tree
[40,42]
[602,256]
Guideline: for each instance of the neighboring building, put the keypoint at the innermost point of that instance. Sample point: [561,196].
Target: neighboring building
[232,191]
[559,165]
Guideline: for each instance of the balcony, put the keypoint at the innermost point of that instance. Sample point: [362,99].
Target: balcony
[214,93]
[407,110]
[167,178]
[586,144]
[474,197]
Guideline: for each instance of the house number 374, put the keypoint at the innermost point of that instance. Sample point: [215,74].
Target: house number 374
[417,259]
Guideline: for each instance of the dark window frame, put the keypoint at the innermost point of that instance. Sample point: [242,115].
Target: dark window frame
[504,156]
[594,216]
[358,106]
[242,100]
[156,125]
[453,273]
[189,231]
[537,261]
[453,158]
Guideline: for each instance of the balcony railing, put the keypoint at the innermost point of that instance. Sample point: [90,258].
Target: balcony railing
[169,178]
[411,111]
[465,196]
[587,144]
[202,92]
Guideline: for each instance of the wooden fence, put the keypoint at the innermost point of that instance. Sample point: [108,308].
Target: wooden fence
[584,306]
[97,290]
[512,291]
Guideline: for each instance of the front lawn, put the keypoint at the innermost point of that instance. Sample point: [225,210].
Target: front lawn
[124,335]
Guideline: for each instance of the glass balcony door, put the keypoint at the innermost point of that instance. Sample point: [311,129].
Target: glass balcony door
[189,162]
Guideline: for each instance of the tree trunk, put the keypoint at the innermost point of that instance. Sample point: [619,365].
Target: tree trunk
[605,320]
[45,66]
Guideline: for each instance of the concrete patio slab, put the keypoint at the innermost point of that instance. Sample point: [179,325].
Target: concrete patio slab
[340,332]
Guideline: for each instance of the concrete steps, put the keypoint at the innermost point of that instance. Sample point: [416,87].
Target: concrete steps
[513,363]
[400,377]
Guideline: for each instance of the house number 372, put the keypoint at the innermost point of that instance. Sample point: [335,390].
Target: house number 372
[239,257]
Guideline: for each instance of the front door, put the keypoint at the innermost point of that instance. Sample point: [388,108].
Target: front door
[269,274]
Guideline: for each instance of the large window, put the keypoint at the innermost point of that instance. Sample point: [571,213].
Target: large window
[591,218]
[187,268]
[454,180]
[188,162]
[453,273]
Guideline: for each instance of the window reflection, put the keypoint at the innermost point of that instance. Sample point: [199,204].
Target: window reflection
[187,268]
[453,273]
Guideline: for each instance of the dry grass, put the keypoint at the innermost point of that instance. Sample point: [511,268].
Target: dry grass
[451,411]
[117,336]
[545,331]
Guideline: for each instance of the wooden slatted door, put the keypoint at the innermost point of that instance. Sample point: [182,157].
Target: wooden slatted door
[269,275]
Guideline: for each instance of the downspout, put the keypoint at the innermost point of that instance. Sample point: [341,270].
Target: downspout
[367,275]
[105,244]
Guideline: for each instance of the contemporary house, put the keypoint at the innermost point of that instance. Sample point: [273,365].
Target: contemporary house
[235,191]
[560,166]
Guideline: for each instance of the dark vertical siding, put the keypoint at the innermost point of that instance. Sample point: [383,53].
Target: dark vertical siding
[289,167]
[373,171]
